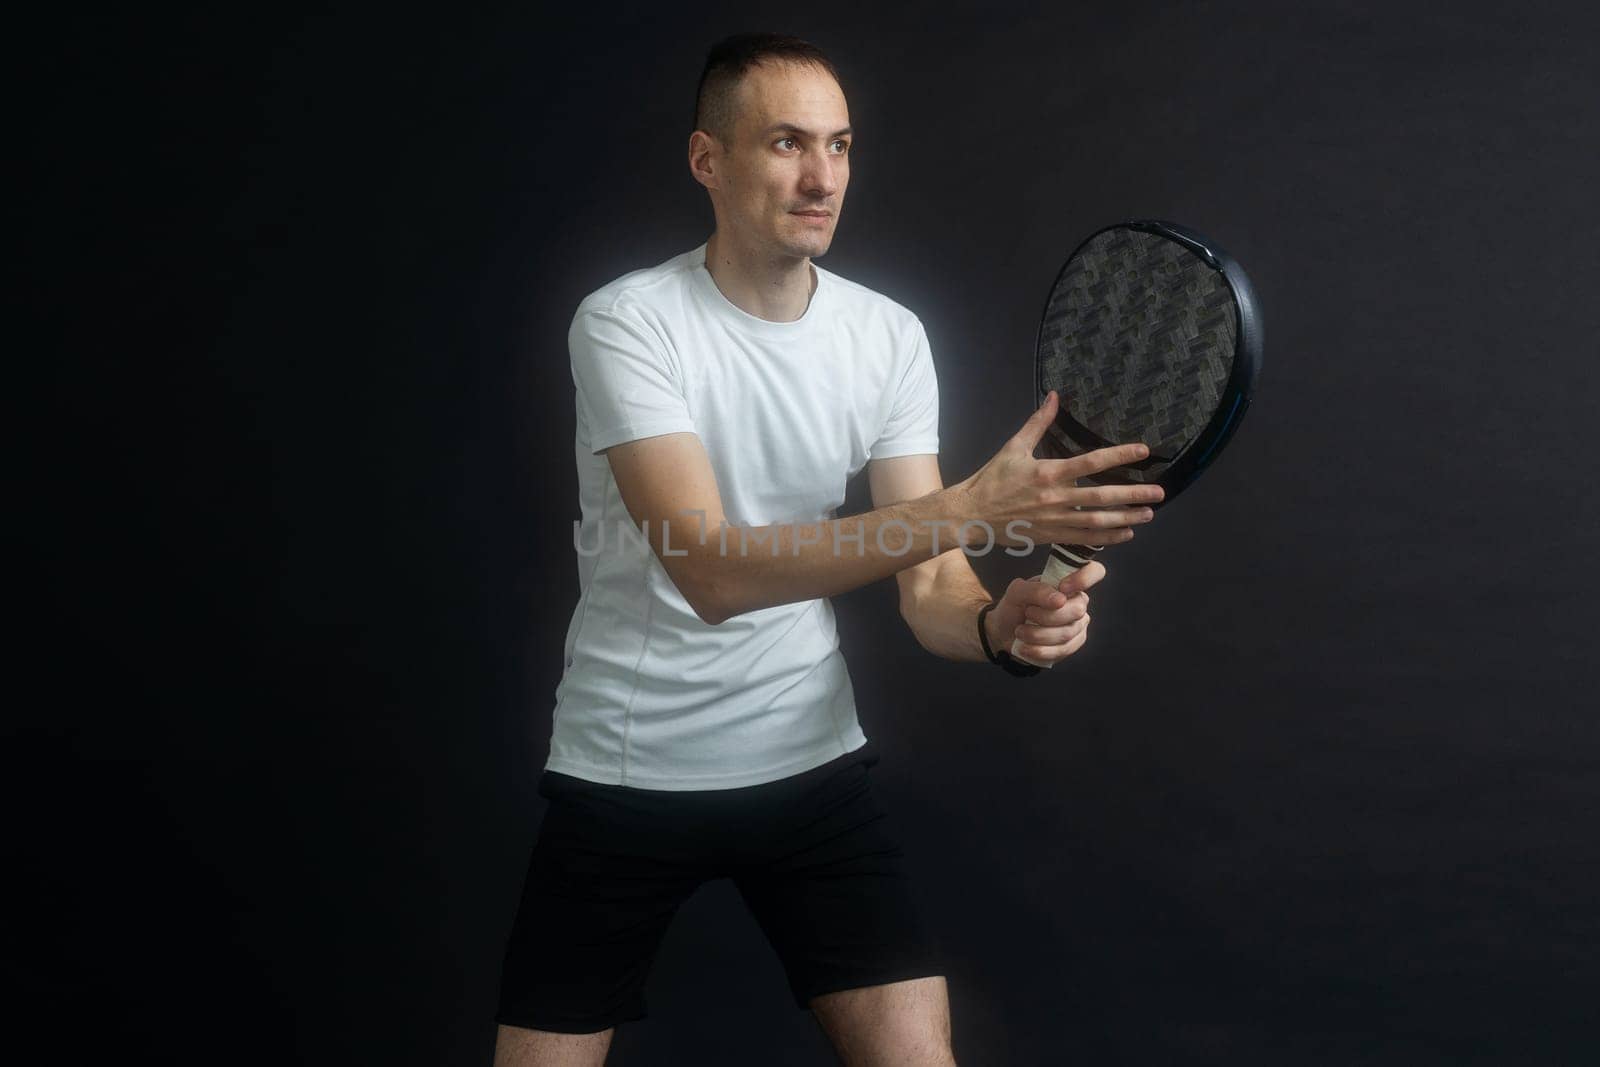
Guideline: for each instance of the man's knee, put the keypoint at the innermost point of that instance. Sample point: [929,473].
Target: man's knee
[902,1023]
[516,1046]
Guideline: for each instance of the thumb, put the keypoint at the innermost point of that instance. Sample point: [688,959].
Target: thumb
[1082,578]
[1032,430]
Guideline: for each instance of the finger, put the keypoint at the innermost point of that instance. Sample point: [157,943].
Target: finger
[1069,535]
[1044,636]
[1032,430]
[1069,609]
[1051,653]
[1033,595]
[1074,610]
[1076,643]
[1109,518]
[1101,459]
[1102,496]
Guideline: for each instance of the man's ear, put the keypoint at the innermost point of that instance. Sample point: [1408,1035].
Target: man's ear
[703,159]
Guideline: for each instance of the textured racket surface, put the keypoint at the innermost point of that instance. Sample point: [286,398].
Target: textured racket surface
[1141,339]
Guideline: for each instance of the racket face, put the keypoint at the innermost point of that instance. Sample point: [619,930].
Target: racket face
[1150,334]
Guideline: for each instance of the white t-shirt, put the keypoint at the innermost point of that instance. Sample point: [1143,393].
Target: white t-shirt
[788,412]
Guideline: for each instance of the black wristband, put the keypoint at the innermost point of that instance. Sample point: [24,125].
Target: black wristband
[1002,659]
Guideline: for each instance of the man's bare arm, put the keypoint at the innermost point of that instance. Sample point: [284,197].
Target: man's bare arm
[723,571]
[668,482]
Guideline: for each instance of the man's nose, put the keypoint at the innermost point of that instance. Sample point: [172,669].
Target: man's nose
[818,177]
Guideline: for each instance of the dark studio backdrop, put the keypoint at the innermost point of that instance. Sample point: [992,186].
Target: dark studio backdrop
[1320,789]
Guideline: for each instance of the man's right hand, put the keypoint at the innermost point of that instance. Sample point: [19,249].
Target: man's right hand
[1043,497]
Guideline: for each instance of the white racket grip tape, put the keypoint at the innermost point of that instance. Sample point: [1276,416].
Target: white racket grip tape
[1064,560]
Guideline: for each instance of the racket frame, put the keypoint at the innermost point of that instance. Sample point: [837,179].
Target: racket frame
[1072,437]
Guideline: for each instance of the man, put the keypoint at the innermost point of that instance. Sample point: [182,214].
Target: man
[705,725]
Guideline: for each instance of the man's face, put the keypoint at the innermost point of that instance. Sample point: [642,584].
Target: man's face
[782,179]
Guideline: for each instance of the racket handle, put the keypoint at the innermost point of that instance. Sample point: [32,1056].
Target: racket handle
[1064,560]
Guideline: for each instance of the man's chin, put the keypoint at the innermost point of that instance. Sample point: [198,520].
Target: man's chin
[808,246]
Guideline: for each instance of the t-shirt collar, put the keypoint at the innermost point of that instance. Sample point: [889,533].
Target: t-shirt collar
[737,317]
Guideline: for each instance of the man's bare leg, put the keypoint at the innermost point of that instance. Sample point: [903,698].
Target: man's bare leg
[902,1024]
[515,1046]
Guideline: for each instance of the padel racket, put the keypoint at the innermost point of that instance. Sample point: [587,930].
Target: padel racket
[1151,333]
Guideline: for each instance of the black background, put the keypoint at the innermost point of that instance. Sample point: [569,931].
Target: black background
[1322,786]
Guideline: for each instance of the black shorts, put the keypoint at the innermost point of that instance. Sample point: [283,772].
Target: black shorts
[810,855]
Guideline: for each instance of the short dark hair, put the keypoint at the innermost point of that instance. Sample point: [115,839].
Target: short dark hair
[730,60]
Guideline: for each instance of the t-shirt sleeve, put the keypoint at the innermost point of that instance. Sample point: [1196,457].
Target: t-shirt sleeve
[913,424]
[627,386]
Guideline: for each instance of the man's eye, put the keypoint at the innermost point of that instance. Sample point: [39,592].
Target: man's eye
[844,146]
[787,140]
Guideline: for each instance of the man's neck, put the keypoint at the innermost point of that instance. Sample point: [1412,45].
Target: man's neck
[777,289]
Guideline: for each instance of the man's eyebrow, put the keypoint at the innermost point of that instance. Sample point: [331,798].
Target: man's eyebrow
[789,127]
